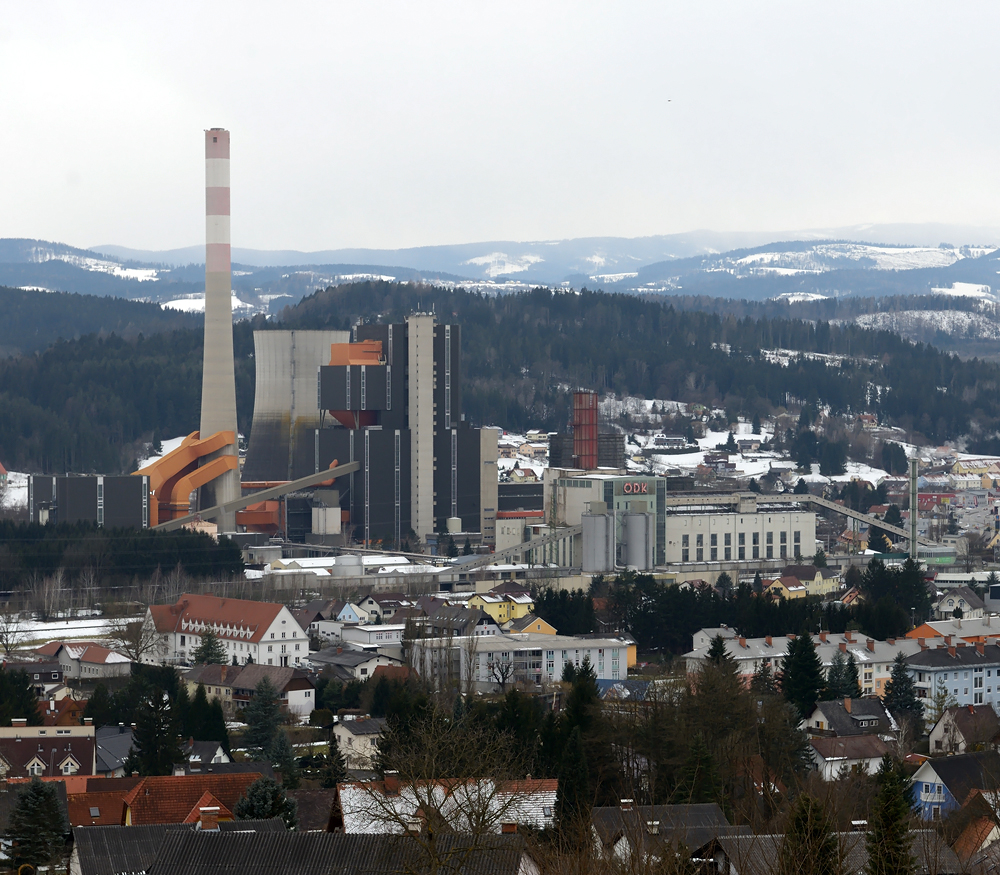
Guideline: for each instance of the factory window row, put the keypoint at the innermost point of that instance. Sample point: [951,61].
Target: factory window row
[699,545]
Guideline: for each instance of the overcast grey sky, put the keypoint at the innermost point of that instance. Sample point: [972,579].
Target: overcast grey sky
[402,124]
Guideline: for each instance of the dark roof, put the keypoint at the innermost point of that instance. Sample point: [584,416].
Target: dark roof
[966,772]
[456,620]
[51,752]
[316,853]
[113,746]
[976,723]
[342,656]
[850,747]
[113,850]
[259,766]
[842,723]
[691,825]
[200,751]
[369,726]
[972,601]
[756,854]
[939,657]
[315,808]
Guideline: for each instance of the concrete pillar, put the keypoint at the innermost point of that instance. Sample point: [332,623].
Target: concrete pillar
[420,337]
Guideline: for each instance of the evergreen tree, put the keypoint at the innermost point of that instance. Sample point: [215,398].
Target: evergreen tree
[699,781]
[809,846]
[99,707]
[802,675]
[283,759]
[36,827]
[889,841]
[758,583]
[584,698]
[17,698]
[801,488]
[568,672]
[900,697]
[819,559]
[467,549]
[211,651]
[731,444]
[853,677]
[573,794]
[156,735]
[836,677]
[215,725]
[265,799]
[763,682]
[755,425]
[724,584]
[718,654]
[334,769]
[263,717]
[195,719]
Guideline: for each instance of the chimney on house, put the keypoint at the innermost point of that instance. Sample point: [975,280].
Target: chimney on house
[843,647]
[822,637]
[850,637]
[767,638]
[626,804]
[922,642]
[19,721]
[88,721]
[222,673]
[971,708]
[891,640]
[209,819]
[981,648]
[870,644]
[743,642]
[340,650]
[847,705]
[947,640]
[951,651]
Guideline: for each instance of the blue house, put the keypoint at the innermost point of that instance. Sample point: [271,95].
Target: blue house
[943,784]
[970,673]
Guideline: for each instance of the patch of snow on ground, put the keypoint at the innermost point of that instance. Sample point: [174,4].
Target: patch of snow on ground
[196,304]
[613,277]
[953,322]
[16,493]
[800,297]
[966,290]
[497,263]
[59,630]
[168,447]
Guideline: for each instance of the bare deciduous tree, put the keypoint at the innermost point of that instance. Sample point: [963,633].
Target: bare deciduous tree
[13,631]
[134,637]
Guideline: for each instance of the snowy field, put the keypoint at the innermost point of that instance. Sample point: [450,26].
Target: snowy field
[16,493]
[196,304]
[77,629]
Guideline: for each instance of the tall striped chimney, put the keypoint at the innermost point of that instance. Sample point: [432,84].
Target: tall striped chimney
[218,381]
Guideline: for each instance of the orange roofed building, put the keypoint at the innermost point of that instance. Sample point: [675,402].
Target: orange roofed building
[178,798]
[266,633]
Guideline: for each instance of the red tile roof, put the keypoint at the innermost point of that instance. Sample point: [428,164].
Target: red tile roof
[62,712]
[109,807]
[218,613]
[207,800]
[171,799]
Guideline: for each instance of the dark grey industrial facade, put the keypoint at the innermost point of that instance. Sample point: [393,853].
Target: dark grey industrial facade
[111,502]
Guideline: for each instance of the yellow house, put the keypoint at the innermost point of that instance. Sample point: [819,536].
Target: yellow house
[530,623]
[787,588]
[503,607]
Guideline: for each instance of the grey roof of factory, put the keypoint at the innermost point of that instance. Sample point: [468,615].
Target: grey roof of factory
[116,850]
[316,853]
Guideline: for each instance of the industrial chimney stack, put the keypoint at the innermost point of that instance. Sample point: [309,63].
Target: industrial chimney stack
[218,382]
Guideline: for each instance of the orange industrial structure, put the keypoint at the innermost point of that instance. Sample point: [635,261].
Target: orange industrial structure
[364,352]
[173,478]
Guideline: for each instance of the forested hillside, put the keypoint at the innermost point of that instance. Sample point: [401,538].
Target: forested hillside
[81,405]
[31,320]
[521,352]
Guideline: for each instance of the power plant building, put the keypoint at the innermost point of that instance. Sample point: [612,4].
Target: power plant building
[390,398]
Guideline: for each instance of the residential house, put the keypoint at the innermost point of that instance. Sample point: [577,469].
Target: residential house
[943,784]
[842,718]
[962,599]
[46,751]
[179,799]
[347,664]
[529,623]
[389,806]
[457,622]
[318,609]
[854,753]
[874,657]
[503,606]
[46,676]
[358,740]
[233,685]
[638,835]
[314,809]
[983,629]
[203,752]
[817,581]
[264,632]
[969,673]
[86,660]
[62,712]
[787,588]
[384,605]
[374,636]
[964,729]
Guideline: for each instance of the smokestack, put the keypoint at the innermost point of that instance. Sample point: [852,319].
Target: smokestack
[218,382]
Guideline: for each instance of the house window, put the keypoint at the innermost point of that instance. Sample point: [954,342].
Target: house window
[936,812]
[927,789]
